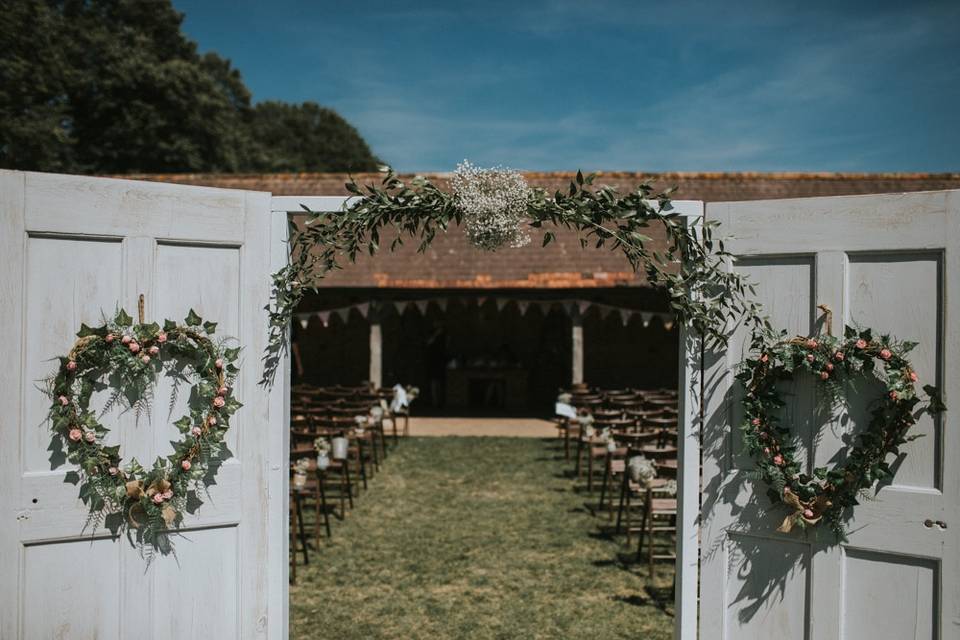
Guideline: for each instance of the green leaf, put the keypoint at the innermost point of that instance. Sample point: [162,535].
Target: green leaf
[122,319]
[192,319]
[169,325]
[210,327]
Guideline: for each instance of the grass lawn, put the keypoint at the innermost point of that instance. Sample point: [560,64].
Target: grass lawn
[474,538]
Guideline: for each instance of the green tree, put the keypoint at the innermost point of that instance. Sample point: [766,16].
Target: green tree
[307,137]
[113,86]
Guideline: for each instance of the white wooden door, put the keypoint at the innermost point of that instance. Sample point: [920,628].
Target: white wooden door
[890,262]
[73,249]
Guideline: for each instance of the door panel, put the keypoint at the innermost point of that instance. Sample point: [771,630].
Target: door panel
[78,248]
[880,261]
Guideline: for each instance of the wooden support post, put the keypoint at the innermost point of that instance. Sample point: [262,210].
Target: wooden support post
[576,342]
[376,348]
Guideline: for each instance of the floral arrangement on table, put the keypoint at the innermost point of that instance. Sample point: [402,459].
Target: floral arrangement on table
[497,209]
[301,469]
[128,357]
[827,494]
[322,445]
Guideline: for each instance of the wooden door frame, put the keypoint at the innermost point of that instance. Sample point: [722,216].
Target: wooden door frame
[686,602]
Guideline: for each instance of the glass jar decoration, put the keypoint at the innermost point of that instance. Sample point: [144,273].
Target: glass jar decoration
[340,445]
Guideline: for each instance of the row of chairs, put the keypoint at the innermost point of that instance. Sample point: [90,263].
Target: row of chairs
[360,416]
[612,427]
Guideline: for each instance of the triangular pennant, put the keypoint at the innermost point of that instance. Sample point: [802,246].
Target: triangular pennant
[481,300]
[501,303]
[400,306]
[544,307]
[324,318]
[441,303]
[625,315]
[668,324]
[363,308]
[422,306]
[646,317]
[523,305]
[304,322]
[583,305]
[605,311]
[567,306]
[344,314]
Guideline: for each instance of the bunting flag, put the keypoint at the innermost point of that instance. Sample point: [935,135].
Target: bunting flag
[583,306]
[363,308]
[400,306]
[646,317]
[625,315]
[421,306]
[304,322]
[344,314]
[605,311]
[544,307]
[481,300]
[501,303]
[567,306]
[441,303]
[324,318]
[668,323]
[523,305]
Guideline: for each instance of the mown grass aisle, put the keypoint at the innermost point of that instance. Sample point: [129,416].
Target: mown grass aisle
[472,538]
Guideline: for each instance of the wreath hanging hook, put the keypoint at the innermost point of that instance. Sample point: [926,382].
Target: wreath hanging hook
[827,321]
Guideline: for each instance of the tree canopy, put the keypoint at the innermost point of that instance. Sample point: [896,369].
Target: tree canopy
[114,86]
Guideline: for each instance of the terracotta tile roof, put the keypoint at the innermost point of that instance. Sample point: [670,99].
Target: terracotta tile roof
[452,263]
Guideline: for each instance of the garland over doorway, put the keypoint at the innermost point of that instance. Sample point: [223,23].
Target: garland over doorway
[498,209]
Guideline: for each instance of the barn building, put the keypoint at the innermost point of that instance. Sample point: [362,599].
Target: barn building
[500,332]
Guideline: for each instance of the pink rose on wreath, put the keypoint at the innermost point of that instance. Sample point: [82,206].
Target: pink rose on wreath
[212,420]
[824,375]
[154,350]
[108,338]
[885,354]
[766,451]
[75,434]
[185,465]
[134,347]
[861,344]
[810,357]
[838,356]
[808,514]
[764,358]
[145,359]
[222,391]
[161,337]
[829,367]
[63,401]
[90,436]
[113,471]
[126,339]
[893,395]
[764,436]
[168,494]
[157,498]
[218,402]
[196,431]
[71,366]
[913,376]
[787,491]
[778,460]
[811,344]
[755,422]
[219,363]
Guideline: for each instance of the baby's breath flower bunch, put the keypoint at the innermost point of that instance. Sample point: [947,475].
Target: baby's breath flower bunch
[494,204]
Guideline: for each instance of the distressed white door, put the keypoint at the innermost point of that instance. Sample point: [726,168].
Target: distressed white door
[890,262]
[75,248]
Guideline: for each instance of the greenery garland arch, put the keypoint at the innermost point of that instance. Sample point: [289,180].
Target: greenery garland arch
[703,294]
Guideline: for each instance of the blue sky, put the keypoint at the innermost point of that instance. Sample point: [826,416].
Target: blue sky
[661,86]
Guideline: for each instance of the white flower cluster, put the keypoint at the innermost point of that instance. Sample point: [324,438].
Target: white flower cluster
[641,470]
[493,203]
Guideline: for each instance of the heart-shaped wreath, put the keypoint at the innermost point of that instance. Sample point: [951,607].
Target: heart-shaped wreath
[128,358]
[824,496]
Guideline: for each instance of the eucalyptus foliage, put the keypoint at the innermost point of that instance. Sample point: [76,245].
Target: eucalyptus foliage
[146,500]
[693,267]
